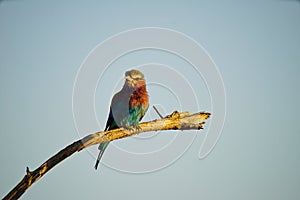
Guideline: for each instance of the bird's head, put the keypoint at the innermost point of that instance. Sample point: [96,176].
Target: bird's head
[134,78]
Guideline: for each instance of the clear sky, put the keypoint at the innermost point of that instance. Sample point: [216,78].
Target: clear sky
[256,46]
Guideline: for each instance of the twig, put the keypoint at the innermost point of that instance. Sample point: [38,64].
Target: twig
[157,112]
[176,120]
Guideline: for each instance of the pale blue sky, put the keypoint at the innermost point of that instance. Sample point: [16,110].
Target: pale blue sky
[256,46]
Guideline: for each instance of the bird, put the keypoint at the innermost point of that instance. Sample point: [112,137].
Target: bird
[127,107]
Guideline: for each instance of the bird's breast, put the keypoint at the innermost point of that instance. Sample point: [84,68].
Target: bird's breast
[139,98]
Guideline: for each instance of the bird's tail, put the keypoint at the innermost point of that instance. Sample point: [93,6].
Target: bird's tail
[102,148]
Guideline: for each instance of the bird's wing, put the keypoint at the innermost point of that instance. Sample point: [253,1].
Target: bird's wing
[109,121]
[118,111]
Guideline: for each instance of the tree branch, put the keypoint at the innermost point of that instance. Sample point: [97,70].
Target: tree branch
[175,121]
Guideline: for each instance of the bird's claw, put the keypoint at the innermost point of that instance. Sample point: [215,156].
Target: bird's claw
[133,128]
[137,127]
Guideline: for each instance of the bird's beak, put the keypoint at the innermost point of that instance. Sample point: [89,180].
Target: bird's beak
[128,78]
[130,81]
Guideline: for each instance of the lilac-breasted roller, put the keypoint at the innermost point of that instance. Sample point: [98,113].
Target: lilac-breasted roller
[128,106]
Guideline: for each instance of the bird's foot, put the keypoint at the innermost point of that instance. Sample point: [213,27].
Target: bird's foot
[133,128]
[137,127]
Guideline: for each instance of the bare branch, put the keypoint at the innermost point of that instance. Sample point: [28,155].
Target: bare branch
[175,121]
